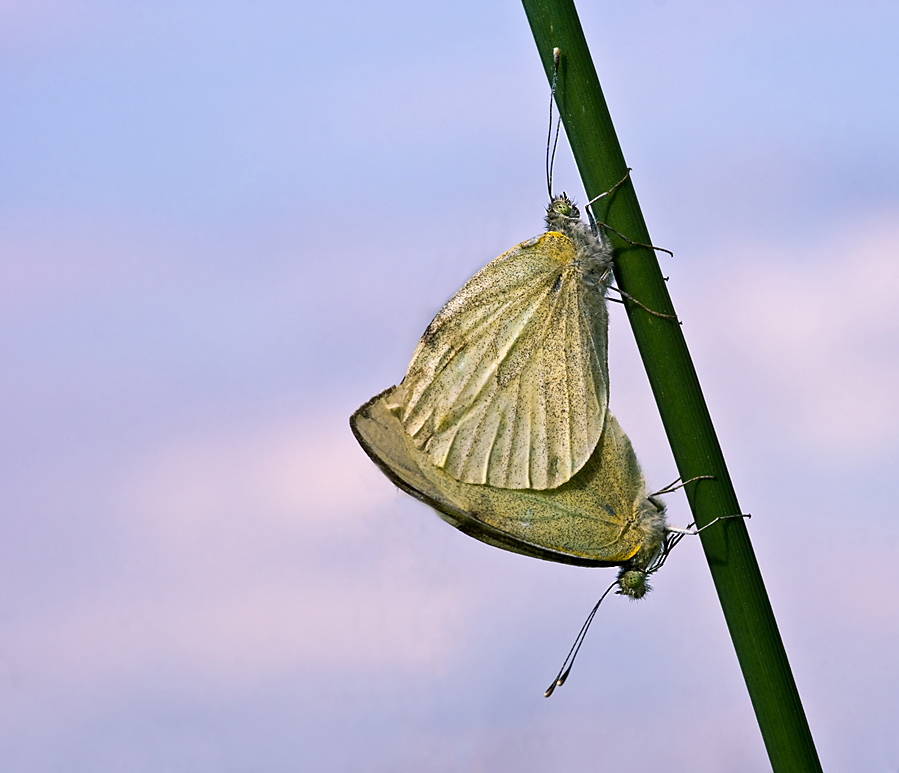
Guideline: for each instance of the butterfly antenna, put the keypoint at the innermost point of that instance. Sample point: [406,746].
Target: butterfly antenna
[576,647]
[551,156]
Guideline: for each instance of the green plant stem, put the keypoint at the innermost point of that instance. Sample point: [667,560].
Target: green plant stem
[675,385]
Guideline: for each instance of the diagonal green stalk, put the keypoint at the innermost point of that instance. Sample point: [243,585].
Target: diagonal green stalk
[675,385]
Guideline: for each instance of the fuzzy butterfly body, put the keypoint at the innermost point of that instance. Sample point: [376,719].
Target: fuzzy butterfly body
[508,386]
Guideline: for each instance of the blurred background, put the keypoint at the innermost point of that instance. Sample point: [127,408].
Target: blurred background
[223,227]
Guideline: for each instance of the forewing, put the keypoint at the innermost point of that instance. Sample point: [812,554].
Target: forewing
[508,385]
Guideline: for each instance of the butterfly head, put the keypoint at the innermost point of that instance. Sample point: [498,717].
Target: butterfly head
[562,208]
[632,583]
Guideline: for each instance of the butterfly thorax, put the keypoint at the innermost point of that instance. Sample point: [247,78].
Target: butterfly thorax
[632,579]
[594,253]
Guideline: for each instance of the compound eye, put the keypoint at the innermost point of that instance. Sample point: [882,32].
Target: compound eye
[562,207]
[632,583]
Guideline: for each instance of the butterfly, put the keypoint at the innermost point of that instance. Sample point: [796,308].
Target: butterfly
[508,386]
[501,423]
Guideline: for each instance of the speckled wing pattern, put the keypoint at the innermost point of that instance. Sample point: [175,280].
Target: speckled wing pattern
[509,383]
[598,518]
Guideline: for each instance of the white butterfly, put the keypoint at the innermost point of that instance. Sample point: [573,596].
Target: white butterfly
[508,385]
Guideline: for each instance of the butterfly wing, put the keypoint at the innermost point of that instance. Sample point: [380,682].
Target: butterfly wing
[595,516]
[380,433]
[509,383]
[593,520]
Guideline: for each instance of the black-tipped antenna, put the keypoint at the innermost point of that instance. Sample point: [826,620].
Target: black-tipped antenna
[576,647]
[672,538]
[551,157]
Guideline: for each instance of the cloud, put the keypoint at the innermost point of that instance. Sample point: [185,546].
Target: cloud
[242,556]
[805,335]
[235,637]
[302,471]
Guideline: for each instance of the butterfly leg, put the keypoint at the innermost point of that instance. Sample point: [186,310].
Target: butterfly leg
[641,305]
[693,532]
[615,187]
[633,243]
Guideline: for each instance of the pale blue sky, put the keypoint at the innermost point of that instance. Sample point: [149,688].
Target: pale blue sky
[223,227]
